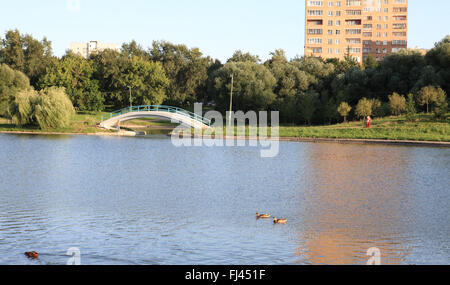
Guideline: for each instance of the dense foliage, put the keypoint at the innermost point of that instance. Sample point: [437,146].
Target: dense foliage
[305,90]
[49,108]
[11,81]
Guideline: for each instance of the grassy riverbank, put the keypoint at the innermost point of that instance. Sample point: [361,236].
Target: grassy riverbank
[390,128]
[425,128]
[80,123]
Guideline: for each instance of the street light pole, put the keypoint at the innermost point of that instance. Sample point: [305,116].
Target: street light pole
[231,99]
[131,102]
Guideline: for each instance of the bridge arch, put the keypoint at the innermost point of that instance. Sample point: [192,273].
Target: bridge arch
[165,112]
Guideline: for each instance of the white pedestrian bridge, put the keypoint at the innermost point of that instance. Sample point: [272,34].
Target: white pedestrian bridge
[112,120]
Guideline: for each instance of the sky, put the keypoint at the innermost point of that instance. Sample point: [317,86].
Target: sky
[217,27]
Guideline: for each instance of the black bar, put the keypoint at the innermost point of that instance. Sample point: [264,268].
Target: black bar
[222,274]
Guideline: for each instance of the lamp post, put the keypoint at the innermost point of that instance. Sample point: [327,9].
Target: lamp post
[131,102]
[231,99]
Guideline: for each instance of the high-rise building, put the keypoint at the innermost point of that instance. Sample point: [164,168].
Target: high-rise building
[360,28]
[86,49]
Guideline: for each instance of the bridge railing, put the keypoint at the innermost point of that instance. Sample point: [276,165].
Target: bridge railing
[158,108]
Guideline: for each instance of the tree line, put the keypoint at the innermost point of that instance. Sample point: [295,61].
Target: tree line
[306,90]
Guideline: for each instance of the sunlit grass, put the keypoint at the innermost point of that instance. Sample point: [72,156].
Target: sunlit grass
[425,128]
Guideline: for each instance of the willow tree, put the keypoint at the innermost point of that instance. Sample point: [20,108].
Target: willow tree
[11,82]
[21,108]
[53,108]
[49,108]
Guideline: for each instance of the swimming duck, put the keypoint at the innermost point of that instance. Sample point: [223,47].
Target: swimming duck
[32,255]
[279,221]
[262,216]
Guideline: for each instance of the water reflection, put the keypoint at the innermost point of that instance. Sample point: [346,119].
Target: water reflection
[356,198]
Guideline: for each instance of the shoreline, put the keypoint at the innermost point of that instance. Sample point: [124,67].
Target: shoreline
[285,139]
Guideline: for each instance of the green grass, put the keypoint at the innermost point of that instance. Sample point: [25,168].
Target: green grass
[151,123]
[80,123]
[425,128]
[391,128]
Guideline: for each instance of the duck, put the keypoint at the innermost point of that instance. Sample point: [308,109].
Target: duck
[262,216]
[32,255]
[279,221]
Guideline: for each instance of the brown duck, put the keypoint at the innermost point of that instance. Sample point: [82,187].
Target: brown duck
[262,216]
[279,221]
[32,255]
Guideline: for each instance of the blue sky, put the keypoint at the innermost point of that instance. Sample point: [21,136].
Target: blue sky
[217,27]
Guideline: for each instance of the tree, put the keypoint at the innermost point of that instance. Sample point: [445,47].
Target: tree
[364,108]
[76,75]
[53,108]
[344,109]
[49,108]
[441,105]
[186,69]
[370,62]
[24,53]
[398,72]
[117,72]
[397,103]
[11,81]
[239,56]
[411,108]
[253,86]
[290,81]
[134,49]
[327,108]
[427,95]
[308,105]
[439,59]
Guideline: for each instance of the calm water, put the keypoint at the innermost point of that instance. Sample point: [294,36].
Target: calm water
[143,201]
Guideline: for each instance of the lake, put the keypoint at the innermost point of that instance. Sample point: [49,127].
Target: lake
[145,201]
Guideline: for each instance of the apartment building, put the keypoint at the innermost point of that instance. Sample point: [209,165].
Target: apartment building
[360,28]
[86,49]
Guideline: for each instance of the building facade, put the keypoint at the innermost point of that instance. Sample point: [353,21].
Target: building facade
[360,28]
[86,49]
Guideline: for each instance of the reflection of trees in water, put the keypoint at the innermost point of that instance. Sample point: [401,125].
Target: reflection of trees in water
[355,199]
